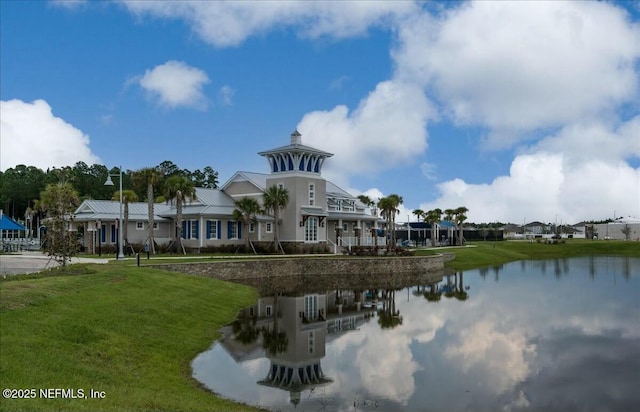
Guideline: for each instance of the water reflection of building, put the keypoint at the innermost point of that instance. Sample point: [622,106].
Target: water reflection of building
[295,329]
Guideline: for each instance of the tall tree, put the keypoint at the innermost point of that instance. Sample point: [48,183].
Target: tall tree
[246,210]
[18,187]
[59,201]
[127,196]
[274,200]
[419,214]
[182,189]
[433,217]
[389,208]
[151,177]
[208,178]
[459,216]
[386,210]
[366,200]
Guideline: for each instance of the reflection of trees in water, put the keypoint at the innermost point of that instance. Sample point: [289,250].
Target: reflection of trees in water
[461,293]
[483,273]
[245,330]
[389,316]
[626,268]
[274,340]
[432,292]
[454,288]
[496,272]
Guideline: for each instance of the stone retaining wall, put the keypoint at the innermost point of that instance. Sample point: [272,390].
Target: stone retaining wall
[315,272]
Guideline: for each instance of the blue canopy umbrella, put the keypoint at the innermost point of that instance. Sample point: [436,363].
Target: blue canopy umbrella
[6,223]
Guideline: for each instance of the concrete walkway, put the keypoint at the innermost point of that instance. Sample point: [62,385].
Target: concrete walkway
[29,262]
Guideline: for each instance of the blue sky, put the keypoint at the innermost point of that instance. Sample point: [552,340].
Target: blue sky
[516,110]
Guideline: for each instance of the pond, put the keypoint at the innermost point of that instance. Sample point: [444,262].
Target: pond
[530,335]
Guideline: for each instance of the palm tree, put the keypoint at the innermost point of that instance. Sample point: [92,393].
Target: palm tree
[275,199]
[181,188]
[246,210]
[150,176]
[433,217]
[419,213]
[448,216]
[460,215]
[389,207]
[366,200]
[386,210]
[127,196]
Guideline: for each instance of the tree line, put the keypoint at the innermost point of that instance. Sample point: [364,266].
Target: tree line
[21,186]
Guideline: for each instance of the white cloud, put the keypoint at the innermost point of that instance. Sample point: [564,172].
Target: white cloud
[516,67]
[33,136]
[545,186]
[428,170]
[225,95]
[500,355]
[386,129]
[175,84]
[225,24]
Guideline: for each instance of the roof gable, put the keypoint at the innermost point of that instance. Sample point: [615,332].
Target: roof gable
[259,180]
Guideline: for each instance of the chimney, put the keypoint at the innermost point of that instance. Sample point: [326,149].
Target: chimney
[296,137]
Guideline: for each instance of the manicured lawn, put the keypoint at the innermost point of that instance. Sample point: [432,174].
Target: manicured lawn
[130,332]
[482,254]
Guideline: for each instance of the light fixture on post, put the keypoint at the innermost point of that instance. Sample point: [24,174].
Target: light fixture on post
[109,182]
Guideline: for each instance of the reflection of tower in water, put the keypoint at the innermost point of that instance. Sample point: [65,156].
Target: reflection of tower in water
[306,320]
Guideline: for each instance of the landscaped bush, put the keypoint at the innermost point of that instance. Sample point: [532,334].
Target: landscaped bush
[378,250]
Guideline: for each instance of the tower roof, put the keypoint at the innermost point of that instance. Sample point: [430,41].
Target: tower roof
[296,146]
[296,157]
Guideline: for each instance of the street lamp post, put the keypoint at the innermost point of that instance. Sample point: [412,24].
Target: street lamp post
[109,182]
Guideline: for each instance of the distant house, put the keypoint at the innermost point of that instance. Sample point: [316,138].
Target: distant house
[318,213]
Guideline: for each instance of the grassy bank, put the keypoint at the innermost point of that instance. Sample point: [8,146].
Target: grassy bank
[130,332]
[483,254]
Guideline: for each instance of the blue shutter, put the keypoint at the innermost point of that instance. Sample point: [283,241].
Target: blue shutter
[239,230]
[228,230]
[184,229]
[113,233]
[103,233]
[196,230]
[219,229]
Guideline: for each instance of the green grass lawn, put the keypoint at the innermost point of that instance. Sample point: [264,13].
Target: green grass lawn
[482,254]
[130,332]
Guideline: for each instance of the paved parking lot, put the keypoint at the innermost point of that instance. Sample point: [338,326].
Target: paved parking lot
[29,262]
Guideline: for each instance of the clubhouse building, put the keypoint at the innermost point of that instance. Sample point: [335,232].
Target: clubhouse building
[319,216]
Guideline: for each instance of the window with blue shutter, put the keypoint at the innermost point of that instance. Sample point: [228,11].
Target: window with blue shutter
[208,229]
[219,229]
[196,229]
